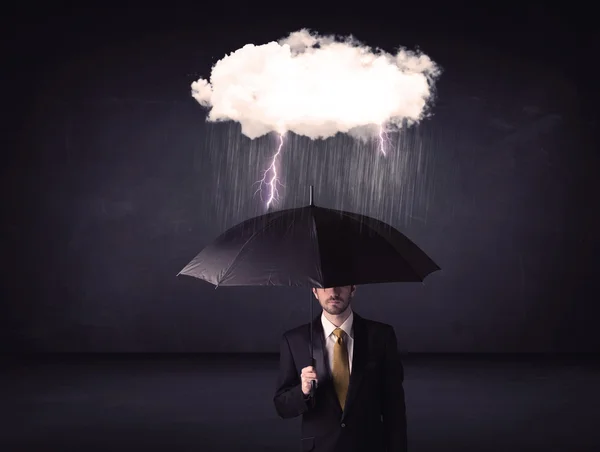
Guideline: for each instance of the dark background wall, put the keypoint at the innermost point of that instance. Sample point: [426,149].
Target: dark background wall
[113,181]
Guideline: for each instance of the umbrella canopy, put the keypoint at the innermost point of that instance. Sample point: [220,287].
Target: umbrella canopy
[310,247]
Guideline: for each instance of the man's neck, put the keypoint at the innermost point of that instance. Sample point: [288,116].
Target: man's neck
[338,320]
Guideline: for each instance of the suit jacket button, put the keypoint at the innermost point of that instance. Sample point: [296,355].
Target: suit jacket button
[343,425]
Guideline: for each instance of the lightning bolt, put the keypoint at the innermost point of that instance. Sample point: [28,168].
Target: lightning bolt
[270,178]
[383,139]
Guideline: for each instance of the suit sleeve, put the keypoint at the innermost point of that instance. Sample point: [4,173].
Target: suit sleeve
[289,399]
[393,403]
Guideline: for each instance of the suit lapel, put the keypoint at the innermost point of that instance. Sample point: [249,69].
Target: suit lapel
[359,361]
[321,363]
[319,352]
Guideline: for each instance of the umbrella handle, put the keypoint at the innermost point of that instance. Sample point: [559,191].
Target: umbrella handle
[313,387]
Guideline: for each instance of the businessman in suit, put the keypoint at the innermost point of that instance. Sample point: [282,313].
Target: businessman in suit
[358,404]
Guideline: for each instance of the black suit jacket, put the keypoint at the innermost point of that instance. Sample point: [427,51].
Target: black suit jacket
[374,418]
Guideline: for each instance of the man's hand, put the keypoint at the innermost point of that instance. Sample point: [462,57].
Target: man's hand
[308,374]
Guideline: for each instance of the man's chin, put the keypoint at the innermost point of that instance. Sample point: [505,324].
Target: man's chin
[336,310]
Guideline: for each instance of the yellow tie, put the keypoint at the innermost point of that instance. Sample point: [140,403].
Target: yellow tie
[341,367]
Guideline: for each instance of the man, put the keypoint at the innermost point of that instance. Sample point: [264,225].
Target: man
[358,404]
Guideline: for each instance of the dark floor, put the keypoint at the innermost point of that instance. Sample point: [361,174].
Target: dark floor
[191,403]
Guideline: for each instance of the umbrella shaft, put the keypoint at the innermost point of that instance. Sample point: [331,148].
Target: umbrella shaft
[311,328]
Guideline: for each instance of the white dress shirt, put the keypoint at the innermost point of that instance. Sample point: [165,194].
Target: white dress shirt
[330,338]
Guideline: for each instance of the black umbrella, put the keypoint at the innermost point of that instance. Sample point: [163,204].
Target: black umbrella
[310,247]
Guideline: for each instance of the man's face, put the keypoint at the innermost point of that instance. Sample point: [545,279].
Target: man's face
[335,300]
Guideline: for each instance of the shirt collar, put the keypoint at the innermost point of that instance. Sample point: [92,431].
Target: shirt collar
[328,327]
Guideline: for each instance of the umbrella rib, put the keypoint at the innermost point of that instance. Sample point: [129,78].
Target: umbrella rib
[252,237]
[318,250]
